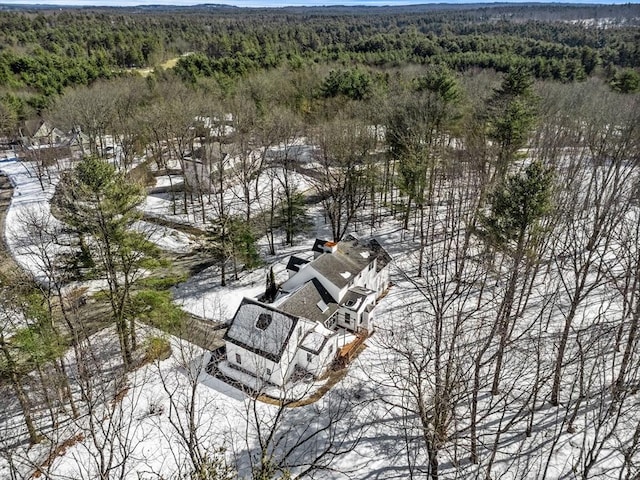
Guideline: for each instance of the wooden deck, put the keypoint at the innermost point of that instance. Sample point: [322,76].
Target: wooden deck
[351,350]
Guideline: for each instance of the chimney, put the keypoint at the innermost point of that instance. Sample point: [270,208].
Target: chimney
[331,247]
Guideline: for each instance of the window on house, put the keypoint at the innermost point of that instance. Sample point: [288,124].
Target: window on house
[269,371]
[331,321]
[347,318]
[371,266]
[309,357]
[238,359]
[330,347]
[264,320]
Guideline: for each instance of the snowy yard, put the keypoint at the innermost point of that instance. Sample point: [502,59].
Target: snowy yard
[371,420]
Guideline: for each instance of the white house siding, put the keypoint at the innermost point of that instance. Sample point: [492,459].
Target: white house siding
[370,276]
[287,364]
[357,317]
[304,363]
[363,317]
[327,354]
[366,279]
[320,362]
[367,321]
[305,274]
[258,365]
[383,281]
[291,358]
[353,320]
[255,364]
[278,342]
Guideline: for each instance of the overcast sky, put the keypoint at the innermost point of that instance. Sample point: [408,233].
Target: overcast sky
[272,3]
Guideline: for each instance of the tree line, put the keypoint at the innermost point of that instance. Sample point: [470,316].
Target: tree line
[44,52]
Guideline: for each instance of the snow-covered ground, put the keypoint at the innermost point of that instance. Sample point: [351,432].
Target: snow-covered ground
[29,200]
[162,204]
[30,206]
[203,296]
[372,412]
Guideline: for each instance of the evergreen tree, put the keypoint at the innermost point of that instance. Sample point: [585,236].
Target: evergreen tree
[512,226]
[272,287]
[101,206]
[511,116]
[294,215]
[231,239]
[517,206]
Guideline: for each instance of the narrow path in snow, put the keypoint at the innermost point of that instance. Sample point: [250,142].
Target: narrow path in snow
[93,313]
[181,227]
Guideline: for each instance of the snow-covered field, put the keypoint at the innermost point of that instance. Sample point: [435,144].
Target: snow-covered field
[203,296]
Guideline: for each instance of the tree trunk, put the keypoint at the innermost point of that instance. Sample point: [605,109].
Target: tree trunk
[432,453]
[422,241]
[628,353]
[20,393]
[123,337]
[505,311]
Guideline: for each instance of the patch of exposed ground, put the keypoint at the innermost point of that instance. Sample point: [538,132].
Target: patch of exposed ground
[7,263]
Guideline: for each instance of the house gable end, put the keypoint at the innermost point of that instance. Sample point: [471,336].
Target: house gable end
[269,342]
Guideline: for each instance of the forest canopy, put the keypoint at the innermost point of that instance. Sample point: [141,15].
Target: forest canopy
[42,52]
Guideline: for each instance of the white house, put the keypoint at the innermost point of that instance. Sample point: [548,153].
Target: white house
[353,272]
[271,344]
[298,333]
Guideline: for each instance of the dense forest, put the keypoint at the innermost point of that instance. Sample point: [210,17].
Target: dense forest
[159,164]
[43,52]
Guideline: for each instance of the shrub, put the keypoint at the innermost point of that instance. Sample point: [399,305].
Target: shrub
[156,348]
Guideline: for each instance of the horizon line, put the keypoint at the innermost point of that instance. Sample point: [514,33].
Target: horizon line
[297,3]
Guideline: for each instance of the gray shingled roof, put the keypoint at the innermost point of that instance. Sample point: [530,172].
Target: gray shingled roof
[270,342]
[380,253]
[295,263]
[304,302]
[349,260]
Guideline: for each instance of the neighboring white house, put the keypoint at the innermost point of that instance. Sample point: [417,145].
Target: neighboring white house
[298,333]
[197,175]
